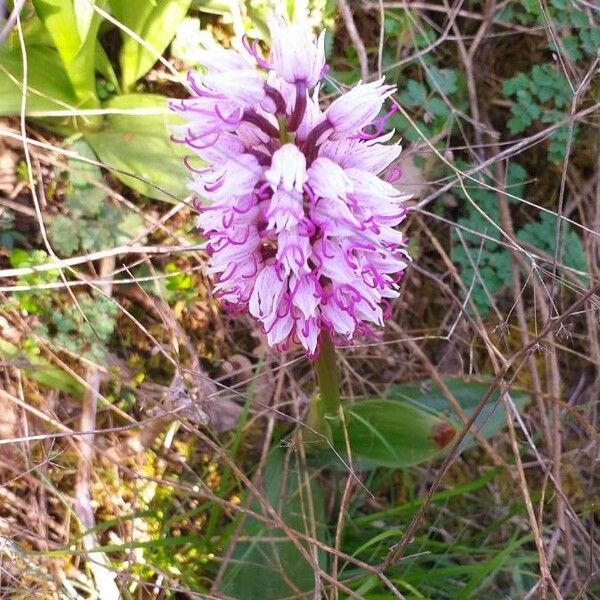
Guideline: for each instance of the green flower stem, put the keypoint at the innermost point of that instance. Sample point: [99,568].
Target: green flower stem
[328,376]
[284,136]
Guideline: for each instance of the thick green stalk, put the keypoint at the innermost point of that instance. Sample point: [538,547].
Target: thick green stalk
[284,135]
[328,376]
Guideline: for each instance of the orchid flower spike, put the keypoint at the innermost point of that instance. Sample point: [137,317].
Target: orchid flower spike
[300,226]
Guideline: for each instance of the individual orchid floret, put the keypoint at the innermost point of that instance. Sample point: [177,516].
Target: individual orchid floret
[296,56]
[300,227]
[373,155]
[299,60]
[353,111]
[288,168]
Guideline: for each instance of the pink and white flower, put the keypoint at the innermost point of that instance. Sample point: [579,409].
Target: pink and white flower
[295,56]
[353,111]
[301,230]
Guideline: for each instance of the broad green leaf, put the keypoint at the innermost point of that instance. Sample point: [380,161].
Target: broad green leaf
[414,423]
[468,394]
[139,149]
[34,33]
[389,433]
[267,564]
[84,16]
[48,86]
[60,21]
[40,370]
[156,23]
[73,28]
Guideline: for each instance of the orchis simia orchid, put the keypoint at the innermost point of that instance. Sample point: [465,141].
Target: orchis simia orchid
[300,227]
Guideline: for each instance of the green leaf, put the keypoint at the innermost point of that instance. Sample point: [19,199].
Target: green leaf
[516,83]
[557,144]
[268,565]
[40,370]
[518,123]
[550,86]
[86,201]
[488,264]
[23,258]
[83,327]
[414,94]
[484,572]
[484,266]
[84,17]
[60,21]
[590,39]
[48,86]
[560,5]
[388,433]
[515,178]
[156,23]
[35,34]
[56,379]
[33,301]
[437,107]
[63,235]
[82,174]
[570,44]
[139,149]
[528,104]
[442,80]
[532,6]
[524,112]
[129,227]
[468,394]
[542,234]
[94,223]
[73,26]
[579,18]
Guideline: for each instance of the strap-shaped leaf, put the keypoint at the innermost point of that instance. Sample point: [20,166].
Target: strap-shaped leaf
[73,30]
[266,564]
[155,21]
